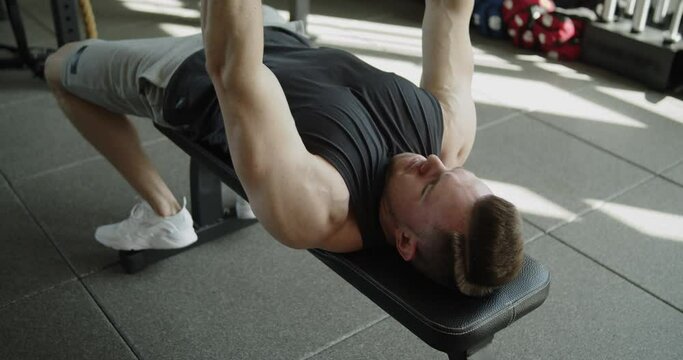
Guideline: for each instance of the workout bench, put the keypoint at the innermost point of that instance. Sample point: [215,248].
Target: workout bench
[445,319]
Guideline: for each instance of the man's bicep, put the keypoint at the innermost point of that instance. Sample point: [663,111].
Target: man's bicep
[259,126]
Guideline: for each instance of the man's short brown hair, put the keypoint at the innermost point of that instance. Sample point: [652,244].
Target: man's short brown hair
[492,253]
[489,256]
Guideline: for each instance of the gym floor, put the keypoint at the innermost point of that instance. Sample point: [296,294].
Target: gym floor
[594,161]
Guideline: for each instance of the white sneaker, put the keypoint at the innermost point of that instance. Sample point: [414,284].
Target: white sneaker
[144,229]
[243,209]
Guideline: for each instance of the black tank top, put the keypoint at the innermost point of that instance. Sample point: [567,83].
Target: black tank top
[351,114]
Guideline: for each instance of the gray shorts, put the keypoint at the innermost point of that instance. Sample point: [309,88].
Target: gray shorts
[130,76]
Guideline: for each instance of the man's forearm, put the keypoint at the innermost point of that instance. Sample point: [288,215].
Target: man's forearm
[446,47]
[233,35]
[447,72]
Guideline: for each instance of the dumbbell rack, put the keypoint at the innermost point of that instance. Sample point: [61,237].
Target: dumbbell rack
[642,56]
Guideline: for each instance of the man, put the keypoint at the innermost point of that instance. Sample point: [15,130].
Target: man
[332,153]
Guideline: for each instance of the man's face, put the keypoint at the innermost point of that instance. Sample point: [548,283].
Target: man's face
[423,194]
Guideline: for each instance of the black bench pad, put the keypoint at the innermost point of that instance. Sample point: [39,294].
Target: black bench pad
[443,318]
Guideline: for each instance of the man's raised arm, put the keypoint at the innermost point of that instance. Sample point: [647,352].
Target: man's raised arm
[447,70]
[254,108]
[292,192]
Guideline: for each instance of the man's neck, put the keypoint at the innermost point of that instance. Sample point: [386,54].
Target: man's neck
[387,223]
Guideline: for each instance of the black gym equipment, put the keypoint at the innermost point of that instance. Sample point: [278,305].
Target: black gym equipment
[299,9]
[635,46]
[65,17]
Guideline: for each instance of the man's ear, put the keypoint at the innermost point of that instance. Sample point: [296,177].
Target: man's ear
[406,244]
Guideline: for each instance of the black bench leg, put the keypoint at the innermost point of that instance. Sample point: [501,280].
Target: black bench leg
[209,218]
[299,9]
[479,352]
[483,354]
[458,356]
[205,191]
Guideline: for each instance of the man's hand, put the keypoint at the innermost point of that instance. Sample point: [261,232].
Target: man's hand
[454,5]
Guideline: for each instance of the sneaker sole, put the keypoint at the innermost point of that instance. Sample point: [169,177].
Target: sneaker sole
[187,239]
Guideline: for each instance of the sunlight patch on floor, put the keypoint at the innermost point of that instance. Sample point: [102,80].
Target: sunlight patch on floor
[366,35]
[481,58]
[647,221]
[528,201]
[530,58]
[367,40]
[587,108]
[164,7]
[407,33]
[179,30]
[537,95]
[667,107]
[562,71]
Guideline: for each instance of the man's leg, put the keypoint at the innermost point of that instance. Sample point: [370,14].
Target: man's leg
[113,136]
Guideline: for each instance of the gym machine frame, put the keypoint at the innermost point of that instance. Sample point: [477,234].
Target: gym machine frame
[65,20]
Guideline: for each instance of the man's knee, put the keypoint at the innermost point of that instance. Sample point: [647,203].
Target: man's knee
[54,64]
